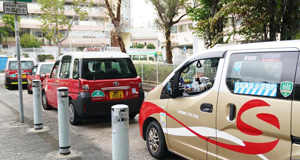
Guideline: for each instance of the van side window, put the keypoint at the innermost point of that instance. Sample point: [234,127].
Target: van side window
[197,77]
[65,67]
[262,74]
[76,69]
[54,70]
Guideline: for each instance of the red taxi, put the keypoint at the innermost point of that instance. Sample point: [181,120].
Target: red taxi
[38,72]
[11,71]
[96,81]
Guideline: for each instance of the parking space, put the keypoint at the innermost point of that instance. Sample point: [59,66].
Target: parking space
[98,132]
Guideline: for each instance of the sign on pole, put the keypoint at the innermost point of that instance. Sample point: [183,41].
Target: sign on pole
[10,8]
[22,0]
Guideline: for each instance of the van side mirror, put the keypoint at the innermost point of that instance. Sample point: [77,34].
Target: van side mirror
[170,89]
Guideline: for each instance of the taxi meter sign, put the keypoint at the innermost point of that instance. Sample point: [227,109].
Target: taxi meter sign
[10,8]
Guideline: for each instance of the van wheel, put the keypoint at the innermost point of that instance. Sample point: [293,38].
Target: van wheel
[73,117]
[28,90]
[155,139]
[45,104]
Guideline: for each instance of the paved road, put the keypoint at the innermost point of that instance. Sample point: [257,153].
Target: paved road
[97,132]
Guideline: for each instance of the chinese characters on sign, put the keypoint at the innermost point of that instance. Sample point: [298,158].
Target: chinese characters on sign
[9,8]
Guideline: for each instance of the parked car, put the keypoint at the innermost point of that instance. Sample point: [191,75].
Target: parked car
[96,82]
[235,102]
[11,72]
[39,72]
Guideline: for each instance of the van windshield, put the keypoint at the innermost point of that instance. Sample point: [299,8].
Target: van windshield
[26,65]
[46,68]
[95,69]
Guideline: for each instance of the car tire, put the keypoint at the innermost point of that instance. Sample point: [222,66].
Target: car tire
[73,117]
[155,139]
[45,104]
[131,116]
[28,90]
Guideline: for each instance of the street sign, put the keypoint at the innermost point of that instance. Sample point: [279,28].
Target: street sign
[22,0]
[10,8]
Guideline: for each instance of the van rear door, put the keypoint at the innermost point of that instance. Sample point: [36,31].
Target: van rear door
[254,104]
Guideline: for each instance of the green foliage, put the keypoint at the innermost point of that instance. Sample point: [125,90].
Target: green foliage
[25,55]
[151,46]
[139,45]
[43,57]
[9,26]
[29,41]
[259,20]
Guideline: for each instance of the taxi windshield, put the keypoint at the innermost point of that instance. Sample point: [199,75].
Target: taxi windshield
[13,65]
[95,69]
[46,68]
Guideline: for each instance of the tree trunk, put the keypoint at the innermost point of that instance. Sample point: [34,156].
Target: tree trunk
[168,47]
[121,43]
[286,8]
[272,24]
[59,49]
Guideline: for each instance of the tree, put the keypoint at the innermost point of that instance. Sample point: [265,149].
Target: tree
[116,20]
[168,12]
[9,26]
[55,24]
[29,41]
[151,46]
[259,20]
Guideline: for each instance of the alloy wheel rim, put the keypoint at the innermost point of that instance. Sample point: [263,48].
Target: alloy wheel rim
[153,140]
[71,112]
[44,100]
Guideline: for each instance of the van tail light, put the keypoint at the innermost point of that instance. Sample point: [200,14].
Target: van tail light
[85,88]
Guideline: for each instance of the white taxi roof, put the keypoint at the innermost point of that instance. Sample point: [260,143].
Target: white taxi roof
[88,55]
[22,59]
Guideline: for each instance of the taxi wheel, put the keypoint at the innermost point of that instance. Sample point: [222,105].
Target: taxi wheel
[156,143]
[131,116]
[45,104]
[73,117]
[28,90]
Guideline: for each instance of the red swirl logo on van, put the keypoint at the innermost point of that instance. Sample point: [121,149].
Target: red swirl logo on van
[149,108]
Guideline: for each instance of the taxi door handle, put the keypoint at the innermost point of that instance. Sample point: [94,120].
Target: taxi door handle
[206,107]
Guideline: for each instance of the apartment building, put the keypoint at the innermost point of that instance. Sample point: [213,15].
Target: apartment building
[93,31]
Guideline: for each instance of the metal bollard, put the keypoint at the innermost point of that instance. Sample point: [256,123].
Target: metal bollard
[37,105]
[120,136]
[63,120]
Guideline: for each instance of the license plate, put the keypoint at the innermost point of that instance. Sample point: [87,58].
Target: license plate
[116,94]
[24,76]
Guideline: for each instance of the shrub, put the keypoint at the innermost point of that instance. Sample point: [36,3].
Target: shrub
[43,57]
[151,46]
[140,45]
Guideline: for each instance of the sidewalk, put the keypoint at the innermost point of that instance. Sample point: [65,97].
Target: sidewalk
[17,143]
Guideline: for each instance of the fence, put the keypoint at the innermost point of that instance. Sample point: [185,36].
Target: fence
[154,73]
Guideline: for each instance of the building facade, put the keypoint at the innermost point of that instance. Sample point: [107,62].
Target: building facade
[93,31]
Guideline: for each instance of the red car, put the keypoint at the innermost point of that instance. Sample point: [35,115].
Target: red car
[96,82]
[11,72]
[39,72]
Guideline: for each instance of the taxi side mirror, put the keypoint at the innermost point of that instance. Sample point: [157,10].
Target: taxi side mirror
[43,75]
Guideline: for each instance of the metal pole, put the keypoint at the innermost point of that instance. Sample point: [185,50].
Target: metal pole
[63,120]
[20,87]
[142,72]
[37,105]
[120,136]
[157,73]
